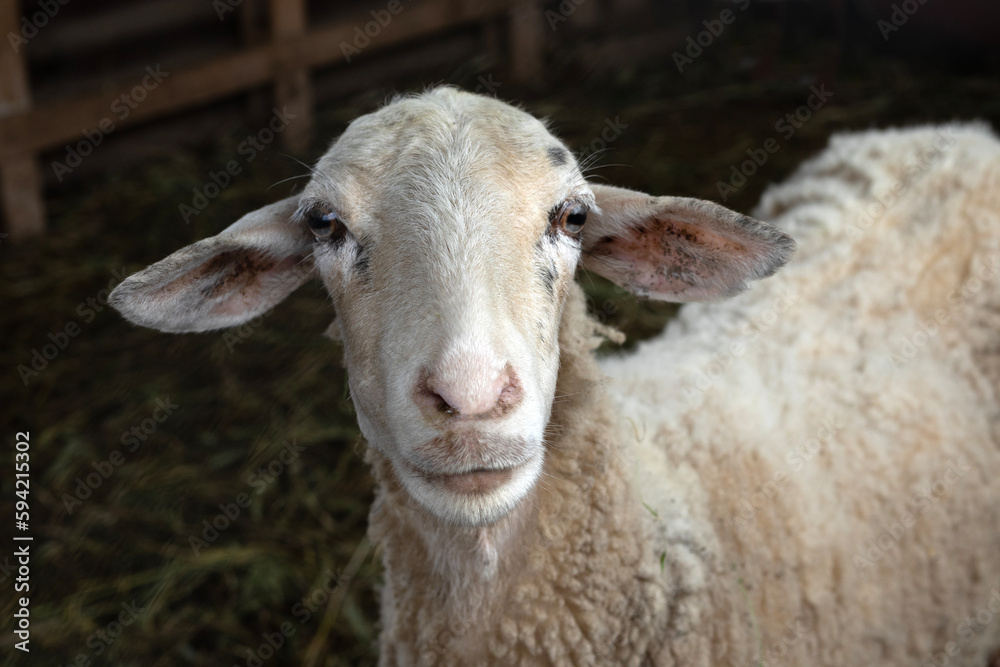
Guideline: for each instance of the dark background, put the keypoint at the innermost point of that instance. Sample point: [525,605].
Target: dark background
[243,395]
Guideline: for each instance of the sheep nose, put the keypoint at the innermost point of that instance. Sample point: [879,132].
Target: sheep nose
[468,395]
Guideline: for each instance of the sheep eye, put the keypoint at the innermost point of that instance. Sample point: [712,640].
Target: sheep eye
[575,220]
[324,224]
[571,218]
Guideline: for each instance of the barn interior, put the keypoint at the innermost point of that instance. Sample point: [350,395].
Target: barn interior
[193,495]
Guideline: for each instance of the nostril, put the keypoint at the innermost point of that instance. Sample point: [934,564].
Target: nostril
[429,395]
[510,392]
[444,407]
[440,403]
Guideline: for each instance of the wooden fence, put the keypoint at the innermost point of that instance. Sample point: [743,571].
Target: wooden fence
[284,55]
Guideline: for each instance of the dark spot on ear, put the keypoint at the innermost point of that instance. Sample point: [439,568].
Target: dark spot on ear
[558,156]
[235,269]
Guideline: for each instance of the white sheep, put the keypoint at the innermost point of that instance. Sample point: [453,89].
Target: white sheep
[803,475]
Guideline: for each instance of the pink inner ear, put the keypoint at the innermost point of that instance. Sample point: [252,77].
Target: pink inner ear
[249,278]
[235,281]
[672,259]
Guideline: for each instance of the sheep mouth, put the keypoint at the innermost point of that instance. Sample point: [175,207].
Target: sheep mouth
[474,482]
[474,493]
[471,464]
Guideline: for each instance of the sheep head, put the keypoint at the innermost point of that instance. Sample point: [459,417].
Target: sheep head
[447,228]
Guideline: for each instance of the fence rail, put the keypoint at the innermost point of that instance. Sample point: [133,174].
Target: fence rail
[284,58]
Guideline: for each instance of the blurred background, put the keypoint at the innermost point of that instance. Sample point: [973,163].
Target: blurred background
[202,499]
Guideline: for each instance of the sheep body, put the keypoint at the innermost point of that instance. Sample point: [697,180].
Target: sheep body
[776,479]
[836,430]
[803,474]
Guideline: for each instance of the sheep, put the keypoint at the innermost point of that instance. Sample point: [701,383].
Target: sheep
[801,474]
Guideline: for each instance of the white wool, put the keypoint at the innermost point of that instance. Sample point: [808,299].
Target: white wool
[734,399]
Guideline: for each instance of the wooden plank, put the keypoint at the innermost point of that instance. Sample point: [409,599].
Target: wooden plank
[60,122]
[21,189]
[527,40]
[252,33]
[20,175]
[292,89]
[328,44]
[14,93]
[381,71]
[120,21]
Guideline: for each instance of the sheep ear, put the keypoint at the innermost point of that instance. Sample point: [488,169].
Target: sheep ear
[223,280]
[678,249]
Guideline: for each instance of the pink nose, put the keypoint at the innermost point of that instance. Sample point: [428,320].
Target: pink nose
[470,395]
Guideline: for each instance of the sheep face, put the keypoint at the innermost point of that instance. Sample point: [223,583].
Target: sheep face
[444,237]
[447,229]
